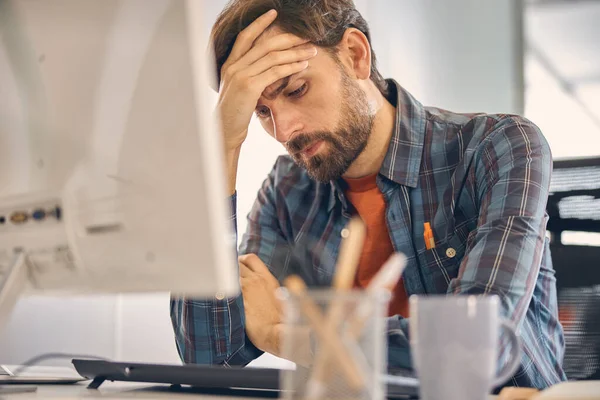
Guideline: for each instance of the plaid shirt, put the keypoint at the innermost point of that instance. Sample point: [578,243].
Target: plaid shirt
[481,181]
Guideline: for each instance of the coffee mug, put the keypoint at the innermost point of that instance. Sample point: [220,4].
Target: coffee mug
[454,342]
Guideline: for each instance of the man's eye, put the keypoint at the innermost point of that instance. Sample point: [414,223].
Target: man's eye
[263,112]
[298,92]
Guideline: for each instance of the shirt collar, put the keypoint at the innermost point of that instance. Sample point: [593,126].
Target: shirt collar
[402,161]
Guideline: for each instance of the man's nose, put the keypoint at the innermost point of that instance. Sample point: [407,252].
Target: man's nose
[285,124]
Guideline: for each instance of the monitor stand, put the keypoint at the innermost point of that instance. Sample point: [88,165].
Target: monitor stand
[12,282]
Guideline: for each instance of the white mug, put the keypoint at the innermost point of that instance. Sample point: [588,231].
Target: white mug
[454,342]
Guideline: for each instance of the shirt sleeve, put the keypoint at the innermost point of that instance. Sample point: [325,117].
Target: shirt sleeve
[264,235]
[503,257]
[212,331]
[512,168]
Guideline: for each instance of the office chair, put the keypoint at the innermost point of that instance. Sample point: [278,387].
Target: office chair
[574,205]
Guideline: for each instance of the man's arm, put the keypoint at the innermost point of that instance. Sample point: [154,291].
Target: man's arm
[219,331]
[212,331]
[512,169]
[513,174]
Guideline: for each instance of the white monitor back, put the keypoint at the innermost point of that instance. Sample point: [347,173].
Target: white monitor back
[105,116]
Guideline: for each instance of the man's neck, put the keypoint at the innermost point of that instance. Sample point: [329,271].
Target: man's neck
[370,160]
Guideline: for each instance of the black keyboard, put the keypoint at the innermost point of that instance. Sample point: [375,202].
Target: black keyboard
[209,379]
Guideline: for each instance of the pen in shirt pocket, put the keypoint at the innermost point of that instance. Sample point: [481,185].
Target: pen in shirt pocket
[428,236]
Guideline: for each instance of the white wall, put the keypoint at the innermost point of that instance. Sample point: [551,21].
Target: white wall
[563,75]
[82,325]
[463,55]
[460,54]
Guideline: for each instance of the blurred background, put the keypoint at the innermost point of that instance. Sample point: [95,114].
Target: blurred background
[537,58]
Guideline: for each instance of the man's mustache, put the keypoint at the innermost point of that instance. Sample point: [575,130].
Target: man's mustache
[302,141]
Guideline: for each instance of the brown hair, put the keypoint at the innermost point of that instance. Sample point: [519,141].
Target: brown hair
[323,22]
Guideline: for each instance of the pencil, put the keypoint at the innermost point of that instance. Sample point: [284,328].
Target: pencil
[386,279]
[328,338]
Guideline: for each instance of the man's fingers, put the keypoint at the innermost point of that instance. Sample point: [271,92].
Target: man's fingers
[281,58]
[244,270]
[284,41]
[278,72]
[277,50]
[253,263]
[245,260]
[246,38]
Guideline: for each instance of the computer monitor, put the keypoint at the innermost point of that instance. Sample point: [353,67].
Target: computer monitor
[111,174]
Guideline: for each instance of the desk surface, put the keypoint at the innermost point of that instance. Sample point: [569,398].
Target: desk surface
[110,390]
[125,390]
[115,390]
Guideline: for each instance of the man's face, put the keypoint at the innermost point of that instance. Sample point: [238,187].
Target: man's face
[321,116]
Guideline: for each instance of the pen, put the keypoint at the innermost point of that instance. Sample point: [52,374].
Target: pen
[428,236]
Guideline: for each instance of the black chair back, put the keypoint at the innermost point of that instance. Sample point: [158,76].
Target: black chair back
[574,205]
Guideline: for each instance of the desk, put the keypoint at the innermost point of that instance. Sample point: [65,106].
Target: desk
[111,390]
[117,390]
[126,390]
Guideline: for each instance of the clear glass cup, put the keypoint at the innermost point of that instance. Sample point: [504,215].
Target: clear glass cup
[338,342]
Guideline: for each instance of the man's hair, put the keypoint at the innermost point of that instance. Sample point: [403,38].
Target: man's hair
[322,22]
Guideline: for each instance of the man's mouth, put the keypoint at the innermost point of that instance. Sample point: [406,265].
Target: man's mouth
[310,150]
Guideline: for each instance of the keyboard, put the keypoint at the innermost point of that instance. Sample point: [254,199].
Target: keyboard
[210,379]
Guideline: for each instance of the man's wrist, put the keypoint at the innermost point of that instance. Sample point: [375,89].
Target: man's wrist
[272,343]
[232,157]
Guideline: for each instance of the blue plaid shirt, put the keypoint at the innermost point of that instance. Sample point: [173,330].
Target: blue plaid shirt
[481,181]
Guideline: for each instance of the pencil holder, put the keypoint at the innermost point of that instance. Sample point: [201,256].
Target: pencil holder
[338,341]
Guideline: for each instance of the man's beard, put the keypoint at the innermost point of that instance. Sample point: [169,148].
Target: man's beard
[345,144]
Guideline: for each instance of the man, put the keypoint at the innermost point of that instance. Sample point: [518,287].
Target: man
[359,144]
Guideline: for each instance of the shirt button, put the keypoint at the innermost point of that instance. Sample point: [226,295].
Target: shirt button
[450,252]
[345,233]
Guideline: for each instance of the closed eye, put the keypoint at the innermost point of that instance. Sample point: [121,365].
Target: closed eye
[298,92]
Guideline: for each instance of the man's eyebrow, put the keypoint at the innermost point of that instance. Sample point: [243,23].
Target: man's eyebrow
[280,88]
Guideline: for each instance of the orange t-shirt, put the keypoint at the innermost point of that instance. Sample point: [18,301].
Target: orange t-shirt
[370,204]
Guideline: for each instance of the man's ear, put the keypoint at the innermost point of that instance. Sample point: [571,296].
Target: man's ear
[355,53]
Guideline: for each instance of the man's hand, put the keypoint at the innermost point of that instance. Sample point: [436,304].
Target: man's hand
[263,310]
[248,71]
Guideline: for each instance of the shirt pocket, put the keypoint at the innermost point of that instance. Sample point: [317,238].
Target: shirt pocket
[441,264]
